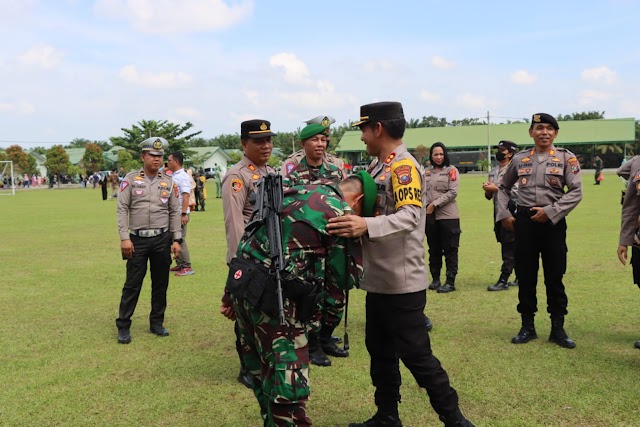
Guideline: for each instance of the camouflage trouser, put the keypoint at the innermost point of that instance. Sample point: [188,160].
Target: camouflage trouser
[330,308]
[278,358]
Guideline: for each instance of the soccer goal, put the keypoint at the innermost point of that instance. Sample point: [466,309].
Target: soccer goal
[8,179]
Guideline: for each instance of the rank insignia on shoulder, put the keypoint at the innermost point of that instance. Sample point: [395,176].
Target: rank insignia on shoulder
[552,152]
[251,168]
[236,185]
[391,157]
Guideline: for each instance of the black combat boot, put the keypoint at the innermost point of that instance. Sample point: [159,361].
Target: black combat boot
[435,284]
[501,284]
[381,419]
[558,335]
[527,332]
[428,323]
[245,378]
[637,344]
[514,283]
[449,285]
[317,356]
[329,346]
[456,420]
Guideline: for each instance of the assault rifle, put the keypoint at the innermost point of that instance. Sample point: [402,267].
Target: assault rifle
[267,211]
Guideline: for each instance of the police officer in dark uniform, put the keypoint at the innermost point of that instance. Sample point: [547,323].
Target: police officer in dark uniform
[148,223]
[542,174]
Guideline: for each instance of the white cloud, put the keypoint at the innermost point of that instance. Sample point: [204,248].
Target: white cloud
[295,71]
[632,108]
[162,80]
[170,16]
[253,96]
[43,56]
[442,63]
[377,66]
[470,100]
[523,77]
[592,97]
[21,107]
[188,112]
[600,74]
[429,96]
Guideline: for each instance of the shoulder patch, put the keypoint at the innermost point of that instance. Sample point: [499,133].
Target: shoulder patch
[406,183]
[236,185]
[453,174]
[289,167]
[124,184]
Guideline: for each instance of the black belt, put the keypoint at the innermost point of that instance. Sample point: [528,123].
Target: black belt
[152,232]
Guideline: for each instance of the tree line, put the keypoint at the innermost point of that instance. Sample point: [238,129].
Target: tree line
[183,138]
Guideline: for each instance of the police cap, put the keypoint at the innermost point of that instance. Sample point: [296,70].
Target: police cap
[255,129]
[380,111]
[154,145]
[509,145]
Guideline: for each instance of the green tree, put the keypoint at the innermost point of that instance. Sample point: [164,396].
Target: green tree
[433,122]
[467,122]
[421,153]
[93,159]
[584,115]
[77,143]
[22,161]
[235,157]
[128,162]
[57,162]
[197,160]
[75,172]
[176,135]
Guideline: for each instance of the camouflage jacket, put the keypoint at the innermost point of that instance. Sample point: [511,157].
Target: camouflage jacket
[303,174]
[309,251]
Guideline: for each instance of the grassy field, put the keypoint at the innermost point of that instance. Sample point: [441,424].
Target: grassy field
[60,281]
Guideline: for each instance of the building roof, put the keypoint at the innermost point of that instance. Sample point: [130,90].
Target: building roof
[574,132]
[200,151]
[75,154]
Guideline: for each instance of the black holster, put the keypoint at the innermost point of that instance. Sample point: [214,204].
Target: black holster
[304,293]
[253,283]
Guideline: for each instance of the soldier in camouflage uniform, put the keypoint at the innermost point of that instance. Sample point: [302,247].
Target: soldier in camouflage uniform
[277,355]
[313,170]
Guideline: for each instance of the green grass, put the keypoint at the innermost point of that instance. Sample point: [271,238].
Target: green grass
[60,281]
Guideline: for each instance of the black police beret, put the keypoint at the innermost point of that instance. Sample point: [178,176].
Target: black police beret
[509,145]
[544,118]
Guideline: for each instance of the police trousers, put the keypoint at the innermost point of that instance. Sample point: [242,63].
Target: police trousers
[506,238]
[549,242]
[156,250]
[443,238]
[395,330]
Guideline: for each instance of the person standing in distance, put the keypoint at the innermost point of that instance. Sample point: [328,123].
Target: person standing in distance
[148,223]
[506,238]
[630,224]
[443,219]
[183,181]
[238,184]
[542,174]
[395,273]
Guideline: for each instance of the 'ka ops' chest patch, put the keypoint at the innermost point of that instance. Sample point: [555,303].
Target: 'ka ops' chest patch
[406,184]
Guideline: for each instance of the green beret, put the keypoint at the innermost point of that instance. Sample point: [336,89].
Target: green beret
[311,130]
[370,192]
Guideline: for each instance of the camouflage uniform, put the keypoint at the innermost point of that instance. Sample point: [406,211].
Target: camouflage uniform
[295,158]
[303,174]
[277,355]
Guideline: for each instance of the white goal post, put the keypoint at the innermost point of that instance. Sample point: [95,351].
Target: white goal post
[6,171]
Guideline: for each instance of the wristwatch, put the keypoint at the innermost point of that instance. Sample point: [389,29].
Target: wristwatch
[183,213]
[178,241]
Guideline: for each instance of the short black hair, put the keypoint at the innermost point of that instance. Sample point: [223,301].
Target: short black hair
[444,150]
[178,157]
[394,127]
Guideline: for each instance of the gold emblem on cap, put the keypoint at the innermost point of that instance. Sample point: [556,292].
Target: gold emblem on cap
[536,118]
[157,144]
[264,126]
[325,122]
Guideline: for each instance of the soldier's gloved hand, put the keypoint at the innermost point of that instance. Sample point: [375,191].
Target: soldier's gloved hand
[126,248]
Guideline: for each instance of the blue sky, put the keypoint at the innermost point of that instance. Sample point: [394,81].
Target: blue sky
[85,69]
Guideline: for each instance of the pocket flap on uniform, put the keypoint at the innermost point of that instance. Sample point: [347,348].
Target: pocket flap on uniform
[241,272]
